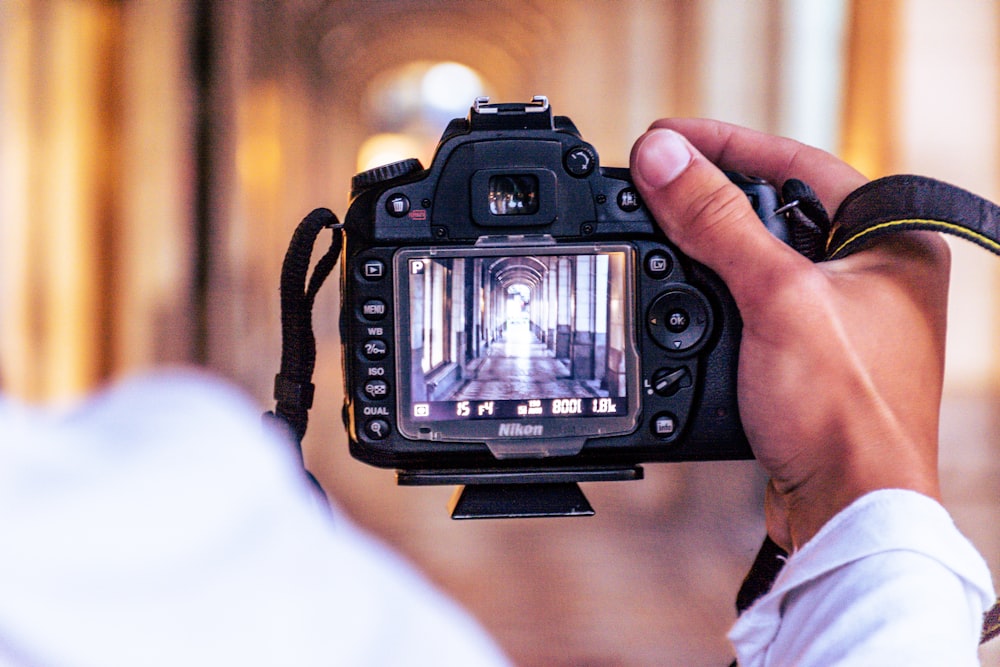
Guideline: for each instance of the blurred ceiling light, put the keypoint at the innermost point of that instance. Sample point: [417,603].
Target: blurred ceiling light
[409,105]
[385,148]
[450,86]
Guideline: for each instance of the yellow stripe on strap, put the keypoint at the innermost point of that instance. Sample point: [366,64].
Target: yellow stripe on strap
[929,225]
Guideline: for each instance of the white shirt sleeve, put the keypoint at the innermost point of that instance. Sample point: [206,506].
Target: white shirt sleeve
[887,581]
[159,524]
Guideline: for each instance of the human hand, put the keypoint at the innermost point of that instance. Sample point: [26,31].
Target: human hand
[841,362]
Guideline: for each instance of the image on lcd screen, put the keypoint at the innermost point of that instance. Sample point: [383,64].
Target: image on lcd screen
[517,336]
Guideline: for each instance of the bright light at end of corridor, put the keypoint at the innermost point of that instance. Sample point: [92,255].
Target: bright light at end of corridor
[450,87]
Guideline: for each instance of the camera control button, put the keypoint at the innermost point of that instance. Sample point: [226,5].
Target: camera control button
[664,426]
[658,264]
[374,310]
[375,349]
[668,381]
[377,429]
[376,389]
[628,200]
[580,161]
[373,269]
[397,205]
[679,320]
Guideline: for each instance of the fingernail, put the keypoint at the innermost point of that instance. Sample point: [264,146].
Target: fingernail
[663,156]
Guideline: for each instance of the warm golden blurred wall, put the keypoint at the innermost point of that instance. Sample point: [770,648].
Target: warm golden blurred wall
[948,125]
[96,161]
[148,186]
[156,156]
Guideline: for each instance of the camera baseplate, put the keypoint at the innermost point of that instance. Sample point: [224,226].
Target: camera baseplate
[518,494]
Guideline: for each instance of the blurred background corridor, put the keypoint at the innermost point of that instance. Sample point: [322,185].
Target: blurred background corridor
[155,157]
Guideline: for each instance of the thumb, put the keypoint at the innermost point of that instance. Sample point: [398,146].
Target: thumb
[708,217]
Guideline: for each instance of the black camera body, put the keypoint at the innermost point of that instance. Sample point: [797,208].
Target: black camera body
[514,315]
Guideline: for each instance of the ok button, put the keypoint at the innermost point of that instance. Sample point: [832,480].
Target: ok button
[680,320]
[677,320]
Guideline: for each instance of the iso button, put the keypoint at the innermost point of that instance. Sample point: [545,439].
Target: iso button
[376,389]
[679,320]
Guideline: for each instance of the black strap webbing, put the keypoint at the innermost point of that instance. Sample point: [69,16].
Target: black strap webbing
[293,387]
[882,207]
[899,203]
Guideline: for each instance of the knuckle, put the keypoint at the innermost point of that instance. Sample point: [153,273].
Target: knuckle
[713,212]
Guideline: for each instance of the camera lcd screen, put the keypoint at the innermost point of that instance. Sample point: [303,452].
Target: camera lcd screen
[516,335]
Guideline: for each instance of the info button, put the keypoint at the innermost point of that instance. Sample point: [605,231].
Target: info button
[664,426]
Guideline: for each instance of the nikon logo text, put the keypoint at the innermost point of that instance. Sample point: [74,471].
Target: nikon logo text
[515,430]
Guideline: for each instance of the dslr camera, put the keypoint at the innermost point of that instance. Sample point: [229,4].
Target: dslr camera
[515,322]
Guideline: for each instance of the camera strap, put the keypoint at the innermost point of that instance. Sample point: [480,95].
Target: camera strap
[878,209]
[293,387]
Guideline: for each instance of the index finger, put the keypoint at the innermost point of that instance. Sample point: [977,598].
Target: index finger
[775,159]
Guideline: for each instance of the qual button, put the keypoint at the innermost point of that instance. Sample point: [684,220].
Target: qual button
[377,429]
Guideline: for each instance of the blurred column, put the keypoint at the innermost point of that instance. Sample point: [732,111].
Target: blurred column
[813,41]
[740,52]
[94,251]
[58,127]
[923,96]
[155,261]
[870,103]
[948,126]
[16,359]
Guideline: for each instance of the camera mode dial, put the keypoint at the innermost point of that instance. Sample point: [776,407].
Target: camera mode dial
[384,173]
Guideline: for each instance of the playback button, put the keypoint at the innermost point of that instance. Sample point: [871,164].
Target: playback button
[373,269]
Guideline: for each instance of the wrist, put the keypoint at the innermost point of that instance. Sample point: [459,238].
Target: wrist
[814,502]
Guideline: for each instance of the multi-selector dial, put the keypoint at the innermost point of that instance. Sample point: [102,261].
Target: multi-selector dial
[679,320]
